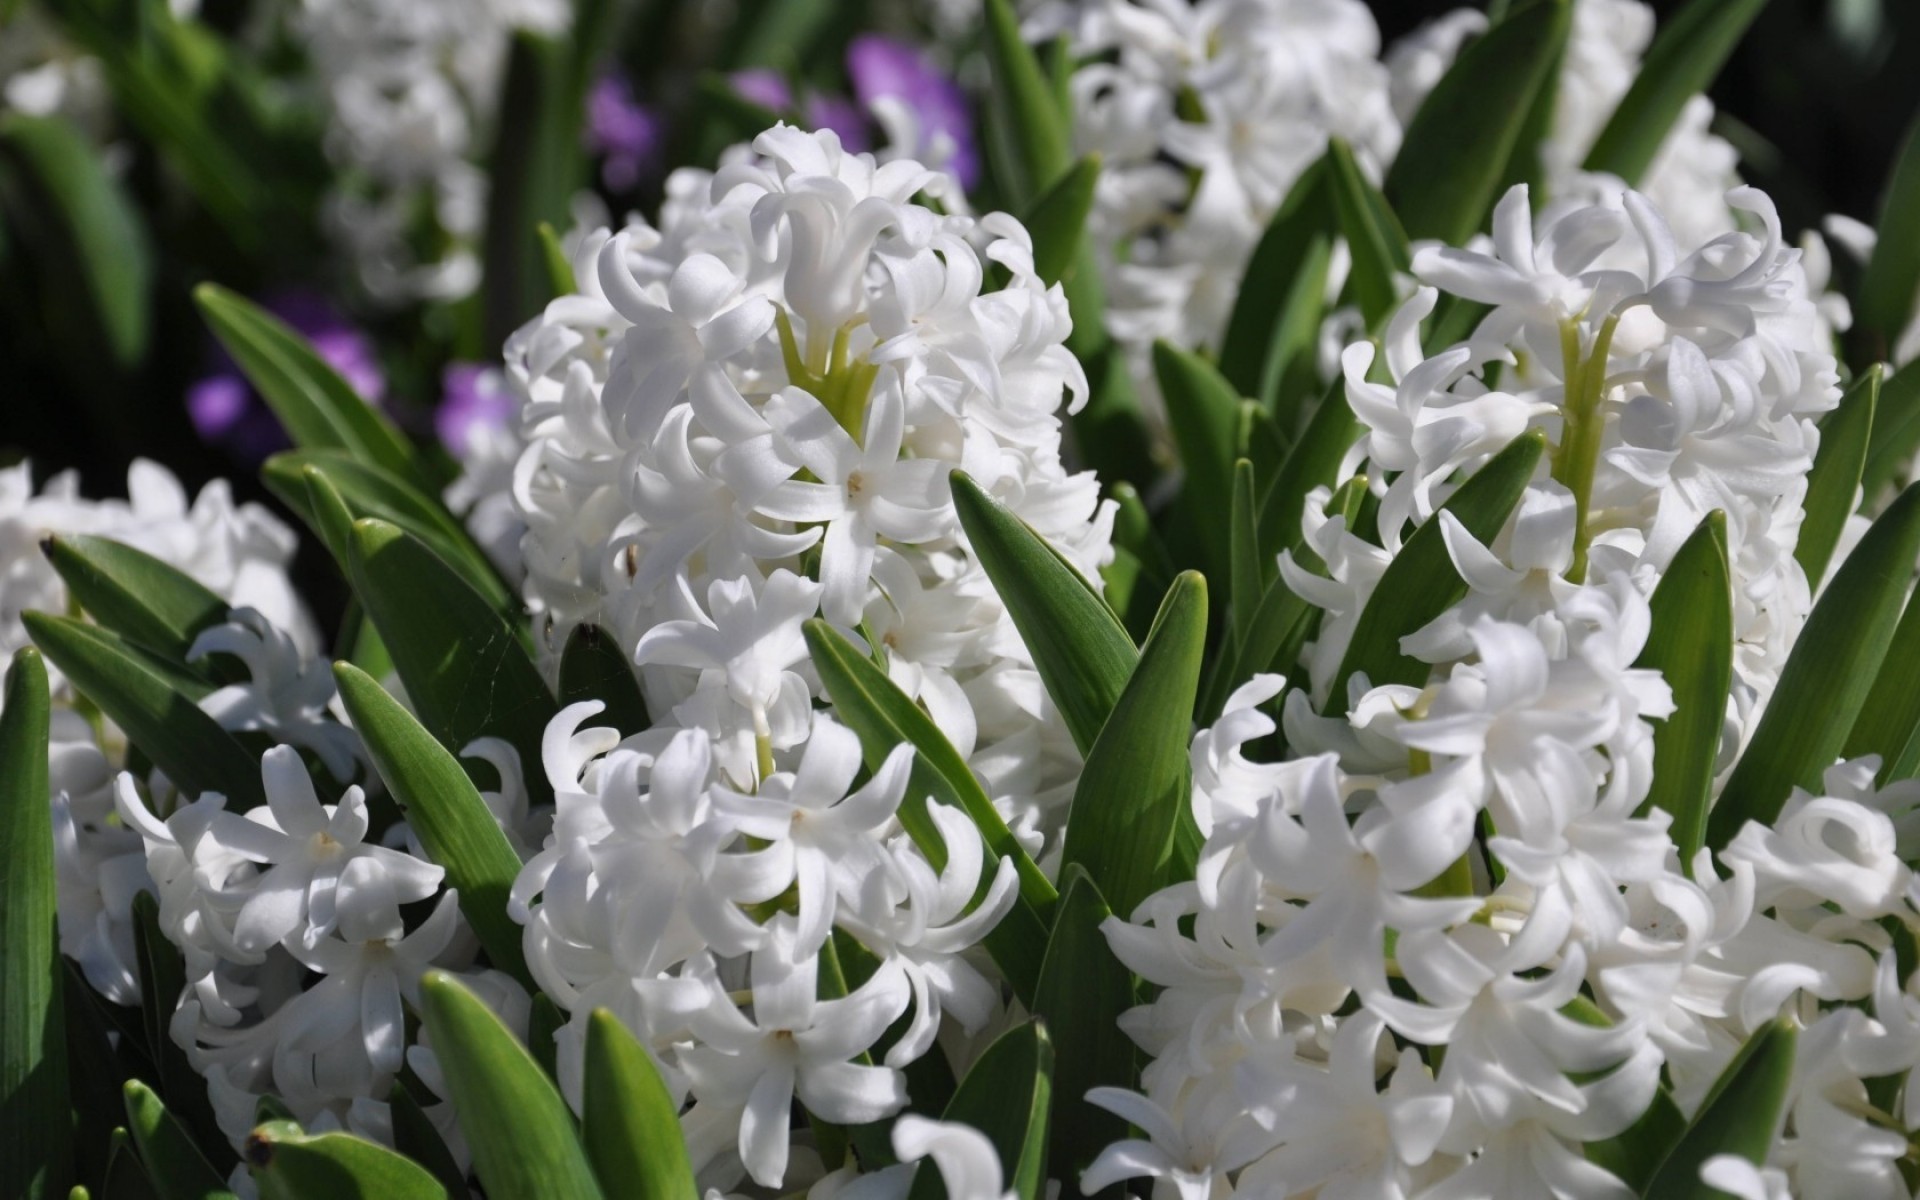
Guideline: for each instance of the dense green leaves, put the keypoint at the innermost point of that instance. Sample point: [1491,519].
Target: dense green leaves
[1889,722]
[140,695]
[1896,432]
[523,1138]
[1203,411]
[1825,682]
[290,1164]
[1006,1096]
[1686,55]
[319,409]
[1136,781]
[1691,644]
[34,1159]
[134,594]
[1314,461]
[593,667]
[1058,220]
[1282,292]
[1422,582]
[1083,991]
[1373,233]
[1741,1114]
[1887,291]
[96,271]
[444,810]
[173,1165]
[465,670]
[1022,108]
[1082,652]
[1448,174]
[631,1125]
[1833,485]
[883,717]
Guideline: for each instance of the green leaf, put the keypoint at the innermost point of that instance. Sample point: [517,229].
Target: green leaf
[1111,431]
[1083,991]
[98,271]
[123,1178]
[174,1165]
[1081,650]
[1021,104]
[163,977]
[1741,1114]
[1896,432]
[1447,176]
[416,1136]
[1633,1154]
[1313,462]
[523,1138]
[631,1125]
[370,491]
[1686,55]
[1277,311]
[1422,582]
[881,715]
[134,594]
[1058,220]
[1137,777]
[560,281]
[1691,644]
[1892,277]
[1834,483]
[319,409]
[465,670]
[1203,411]
[290,1164]
[444,810]
[35,1155]
[1889,722]
[1824,686]
[134,691]
[1373,233]
[1006,1096]
[593,667]
[1248,574]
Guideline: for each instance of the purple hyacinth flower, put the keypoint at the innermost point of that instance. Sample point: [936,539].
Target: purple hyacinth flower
[763,86]
[884,68]
[473,401]
[769,89]
[223,407]
[622,131]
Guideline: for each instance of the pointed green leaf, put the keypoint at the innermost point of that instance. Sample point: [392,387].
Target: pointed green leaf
[319,409]
[163,977]
[134,691]
[881,715]
[416,1136]
[1447,176]
[290,1164]
[1111,431]
[1203,411]
[1313,462]
[465,670]
[1422,582]
[1633,1154]
[1282,291]
[1058,220]
[1021,103]
[1686,55]
[1691,644]
[1373,233]
[135,594]
[35,1157]
[1825,683]
[1833,486]
[560,281]
[123,1178]
[98,270]
[1741,1114]
[444,810]
[1079,647]
[1893,273]
[631,1125]
[369,491]
[1896,432]
[1137,777]
[174,1166]
[1248,573]
[1889,722]
[523,1138]
[1083,991]
[1006,1096]
[593,667]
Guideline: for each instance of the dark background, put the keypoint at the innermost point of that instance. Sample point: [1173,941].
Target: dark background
[1817,98]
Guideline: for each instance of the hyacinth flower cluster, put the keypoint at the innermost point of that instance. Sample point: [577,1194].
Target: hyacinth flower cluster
[1292,667]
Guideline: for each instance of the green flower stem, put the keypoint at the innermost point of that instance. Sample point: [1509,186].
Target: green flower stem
[1578,454]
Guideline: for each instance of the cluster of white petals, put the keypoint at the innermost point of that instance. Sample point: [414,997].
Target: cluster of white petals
[411,92]
[1468,861]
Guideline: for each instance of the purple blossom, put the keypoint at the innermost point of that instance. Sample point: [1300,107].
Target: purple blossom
[473,401]
[226,411]
[622,131]
[883,68]
[769,89]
